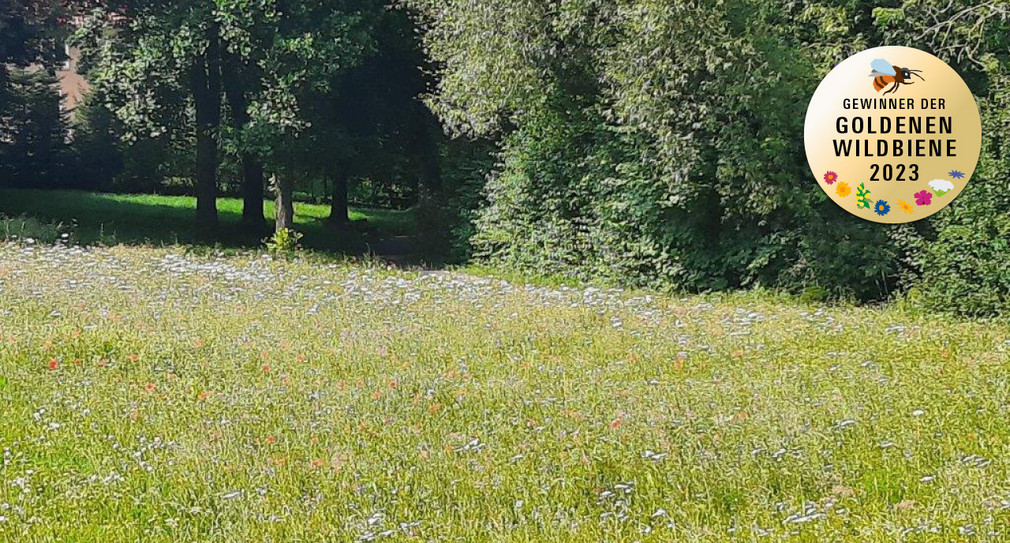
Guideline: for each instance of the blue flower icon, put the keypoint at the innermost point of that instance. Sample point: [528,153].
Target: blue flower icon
[881,208]
[957,174]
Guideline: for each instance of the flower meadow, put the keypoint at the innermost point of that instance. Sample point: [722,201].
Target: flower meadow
[154,395]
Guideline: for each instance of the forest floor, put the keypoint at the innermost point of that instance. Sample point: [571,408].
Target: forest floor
[153,394]
[167,220]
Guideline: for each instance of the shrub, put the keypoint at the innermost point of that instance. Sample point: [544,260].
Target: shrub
[26,229]
[966,269]
[284,243]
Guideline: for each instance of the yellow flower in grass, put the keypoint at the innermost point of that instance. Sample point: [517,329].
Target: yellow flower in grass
[843,189]
[905,206]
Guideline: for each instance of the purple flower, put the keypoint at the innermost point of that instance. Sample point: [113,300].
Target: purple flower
[923,198]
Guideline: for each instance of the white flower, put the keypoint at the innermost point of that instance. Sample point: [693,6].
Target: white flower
[941,186]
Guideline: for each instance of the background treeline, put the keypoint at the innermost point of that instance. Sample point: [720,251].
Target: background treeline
[645,142]
[660,143]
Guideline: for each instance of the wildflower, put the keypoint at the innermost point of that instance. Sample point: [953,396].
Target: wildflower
[616,423]
[905,206]
[843,190]
[54,365]
[956,174]
[265,368]
[923,198]
[205,394]
[830,177]
[149,387]
[271,440]
[881,208]
[318,463]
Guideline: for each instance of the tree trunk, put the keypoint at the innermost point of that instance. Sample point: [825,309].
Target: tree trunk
[284,203]
[425,132]
[206,81]
[253,215]
[339,215]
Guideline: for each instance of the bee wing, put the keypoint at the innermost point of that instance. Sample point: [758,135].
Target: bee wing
[882,66]
[878,74]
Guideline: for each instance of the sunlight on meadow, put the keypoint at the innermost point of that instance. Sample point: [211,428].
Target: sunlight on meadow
[146,395]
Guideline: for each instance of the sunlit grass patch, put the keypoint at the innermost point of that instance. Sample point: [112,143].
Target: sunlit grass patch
[153,395]
[159,220]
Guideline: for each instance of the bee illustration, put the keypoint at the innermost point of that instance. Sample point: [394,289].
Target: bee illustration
[884,74]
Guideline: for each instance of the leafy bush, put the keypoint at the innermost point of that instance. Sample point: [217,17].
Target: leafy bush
[31,230]
[641,143]
[284,243]
[658,143]
[966,268]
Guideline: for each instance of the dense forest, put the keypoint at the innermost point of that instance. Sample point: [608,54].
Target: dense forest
[643,142]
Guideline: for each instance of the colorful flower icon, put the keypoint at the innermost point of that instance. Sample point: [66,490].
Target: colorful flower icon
[830,177]
[843,189]
[881,208]
[923,198]
[862,196]
[941,186]
[905,206]
[957,174]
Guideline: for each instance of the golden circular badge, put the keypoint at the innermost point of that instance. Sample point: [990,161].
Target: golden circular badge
[893,134]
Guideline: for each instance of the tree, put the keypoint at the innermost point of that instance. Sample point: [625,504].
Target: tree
[636,140]
[240,80]
[28,32]
[157,65]
[35,129]
[379,128]
[32,125]
[296,51]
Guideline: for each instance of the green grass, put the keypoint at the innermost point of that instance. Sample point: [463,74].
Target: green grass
[149,395]
[153,219]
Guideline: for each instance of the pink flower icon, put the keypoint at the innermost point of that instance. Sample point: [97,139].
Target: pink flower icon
[830,177]
[923,198]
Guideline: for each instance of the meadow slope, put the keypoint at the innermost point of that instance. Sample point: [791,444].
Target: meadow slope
[146,394]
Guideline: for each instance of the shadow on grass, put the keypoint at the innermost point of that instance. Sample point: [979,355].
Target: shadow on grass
[161,220]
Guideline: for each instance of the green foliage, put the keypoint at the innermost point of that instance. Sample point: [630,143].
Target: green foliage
[29,32]
[284,243]
[33,130]
[642,142]
[966,268]
[25,229]
[629,155]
